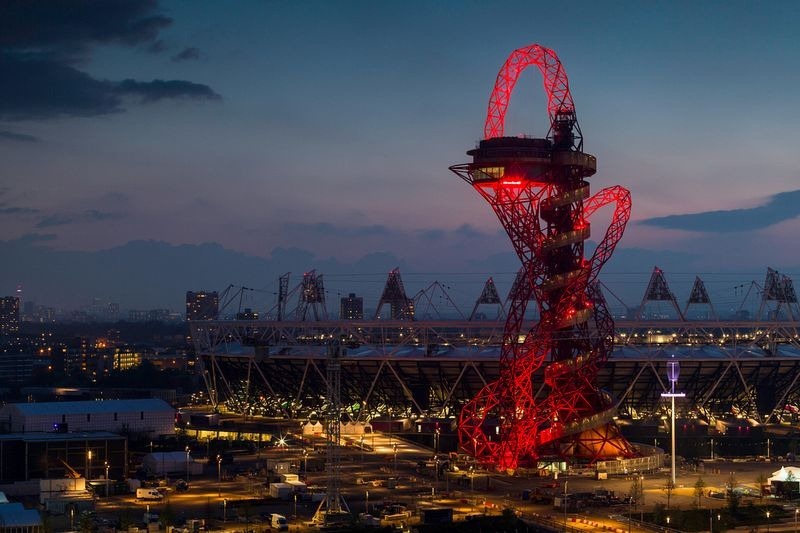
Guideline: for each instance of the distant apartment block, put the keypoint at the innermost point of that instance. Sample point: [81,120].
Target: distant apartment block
[202,305]
[352,307]
[9,315]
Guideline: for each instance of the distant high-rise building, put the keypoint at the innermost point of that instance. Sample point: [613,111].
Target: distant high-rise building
[352,307]
[157,315]
[202,305]
[137,315]
[9,315]
[247,314]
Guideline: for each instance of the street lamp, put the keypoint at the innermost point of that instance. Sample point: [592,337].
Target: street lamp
[106,464]
[565,505]
[89,465]
[219,476]
[305,465]
[641,491]
[767,521]
[366,503]
[394,447]
[630,512]
[225,510]
[795,519]
[673,371]
[667,521]
[187,464]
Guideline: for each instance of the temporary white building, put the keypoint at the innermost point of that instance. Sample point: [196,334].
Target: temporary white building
[161,463]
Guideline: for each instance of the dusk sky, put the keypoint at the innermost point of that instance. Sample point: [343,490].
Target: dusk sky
[329,126]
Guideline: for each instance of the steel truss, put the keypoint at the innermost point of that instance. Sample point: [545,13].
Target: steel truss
[430,369]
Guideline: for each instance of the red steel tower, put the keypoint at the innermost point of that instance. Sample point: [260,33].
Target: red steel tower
[538,190]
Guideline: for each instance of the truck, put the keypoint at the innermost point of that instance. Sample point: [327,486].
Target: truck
[278,522]
[148,494]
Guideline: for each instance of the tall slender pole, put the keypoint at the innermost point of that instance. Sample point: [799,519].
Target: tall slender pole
[672,449]
[219,476]
[565,504]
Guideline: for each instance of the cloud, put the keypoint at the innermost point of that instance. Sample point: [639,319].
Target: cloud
[778,208]
[329,230]
[159,89]
[13,210]
[6,135]
[43,44]
[187,54]
[63,219]
[75,26]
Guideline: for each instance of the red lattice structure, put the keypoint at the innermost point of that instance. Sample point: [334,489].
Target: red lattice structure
[538,190]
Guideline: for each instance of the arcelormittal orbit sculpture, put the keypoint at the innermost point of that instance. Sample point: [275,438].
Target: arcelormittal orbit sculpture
[538,189]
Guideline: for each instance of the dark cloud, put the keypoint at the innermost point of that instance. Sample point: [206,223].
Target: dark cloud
[432,234]
[75,26]
[778,208]
[327,229]
[18,137]
[157,47]
[13,210]
[155,90]
[63,219]
[43,44]
[42,88]
[187,54]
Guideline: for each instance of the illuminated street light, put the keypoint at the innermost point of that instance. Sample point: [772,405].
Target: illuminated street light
[219,476]
[89,465]
[673,371]
[187,464]
[106,464]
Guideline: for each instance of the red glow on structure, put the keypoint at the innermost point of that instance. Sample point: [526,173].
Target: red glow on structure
[538,190]
[556,86]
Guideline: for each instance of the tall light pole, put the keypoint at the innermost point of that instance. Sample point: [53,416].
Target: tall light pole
[187,464]
[219,476]
[673,371]
[795,519]
[641,491]
[106,464]
[366,503]
[630,512]
[394,447]
[89,465]
[565,505]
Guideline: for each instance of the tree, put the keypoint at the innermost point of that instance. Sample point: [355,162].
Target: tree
[167,515]
[734,498]
[699,487]
[668,489]
[761,481]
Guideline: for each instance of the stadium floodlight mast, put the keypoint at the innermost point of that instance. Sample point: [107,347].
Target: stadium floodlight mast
[673,371]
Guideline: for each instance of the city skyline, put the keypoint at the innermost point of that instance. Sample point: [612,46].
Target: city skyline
[312,135]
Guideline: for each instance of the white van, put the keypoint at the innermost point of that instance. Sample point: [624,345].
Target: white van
[148,494]
[279,522]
